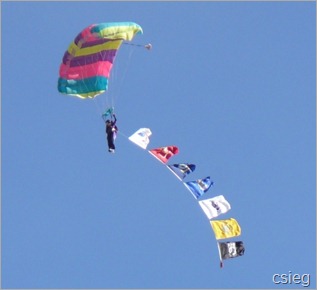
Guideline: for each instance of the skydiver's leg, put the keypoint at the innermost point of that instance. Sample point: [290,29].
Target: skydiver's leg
[111,142]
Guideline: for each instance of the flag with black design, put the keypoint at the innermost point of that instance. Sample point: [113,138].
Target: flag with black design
[181,170]
[230,250]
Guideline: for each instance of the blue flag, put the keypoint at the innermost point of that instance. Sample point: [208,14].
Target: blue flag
[199,187]
[108,112]
[181,170]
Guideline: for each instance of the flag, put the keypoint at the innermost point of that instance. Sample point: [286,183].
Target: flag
[215,206]
[107,113]
[181,170]
[141,137]
[229,250]
[164,153]
[199,187]
[225,228]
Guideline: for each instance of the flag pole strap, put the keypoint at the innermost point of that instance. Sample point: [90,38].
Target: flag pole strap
[173,172]
[156,157]
[190,190]
[219,251]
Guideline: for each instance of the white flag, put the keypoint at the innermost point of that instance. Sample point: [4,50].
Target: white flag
[215,206]
[141,137]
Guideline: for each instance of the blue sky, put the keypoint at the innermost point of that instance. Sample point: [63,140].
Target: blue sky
[232,84]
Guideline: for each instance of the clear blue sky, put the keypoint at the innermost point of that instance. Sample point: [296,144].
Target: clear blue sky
[232,84]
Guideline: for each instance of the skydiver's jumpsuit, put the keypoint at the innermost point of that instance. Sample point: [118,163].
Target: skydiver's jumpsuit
[111,130]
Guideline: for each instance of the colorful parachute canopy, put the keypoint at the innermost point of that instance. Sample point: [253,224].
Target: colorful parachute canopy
[164,153]
[181,170]
[199,187]
[141,137]
[87,63]
[215,206]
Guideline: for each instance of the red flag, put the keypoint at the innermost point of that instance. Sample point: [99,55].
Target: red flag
[164,153]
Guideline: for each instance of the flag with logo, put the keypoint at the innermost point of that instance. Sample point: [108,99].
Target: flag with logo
[164,153]
[215,206]
[181,170]
[141,137]
[199,187]
[224,229]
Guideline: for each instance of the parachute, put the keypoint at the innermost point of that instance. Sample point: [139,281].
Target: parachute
[84,73]
[86,65]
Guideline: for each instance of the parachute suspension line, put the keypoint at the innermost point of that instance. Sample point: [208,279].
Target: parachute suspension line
[111,92]
[98,107]
[124,71]
[108,99]
[104,101]
[112,82]
[147,46]
[118,74]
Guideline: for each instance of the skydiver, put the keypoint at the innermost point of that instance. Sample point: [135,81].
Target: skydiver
[111,131]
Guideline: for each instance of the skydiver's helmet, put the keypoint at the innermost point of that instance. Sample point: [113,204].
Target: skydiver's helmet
[108,122]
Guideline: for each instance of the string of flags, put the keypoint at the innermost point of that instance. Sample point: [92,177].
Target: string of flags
[212,207]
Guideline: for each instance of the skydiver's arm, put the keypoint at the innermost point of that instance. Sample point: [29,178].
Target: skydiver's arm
[115,119]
